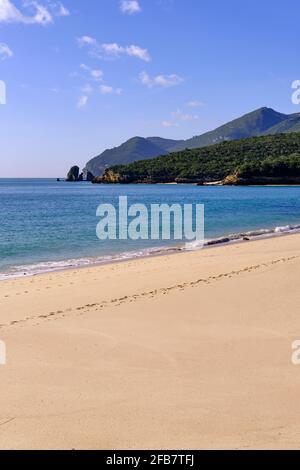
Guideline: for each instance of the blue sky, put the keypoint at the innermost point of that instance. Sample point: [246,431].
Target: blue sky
[85,75]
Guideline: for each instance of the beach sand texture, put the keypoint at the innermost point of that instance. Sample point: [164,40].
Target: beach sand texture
[185,351]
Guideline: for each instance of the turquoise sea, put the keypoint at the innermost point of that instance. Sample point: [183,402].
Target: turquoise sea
[47,225]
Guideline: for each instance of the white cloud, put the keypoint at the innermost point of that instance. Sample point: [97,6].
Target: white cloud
[160,80]
[8,12]
[42,16]
[180,116]
[82,102]
[62,10]
[136,51]
[41,13]
[170,124]
[5,51]
[86,40]
[130,6]
[195,104]
[95,74]
[113,50]
[108,90]
[92,85]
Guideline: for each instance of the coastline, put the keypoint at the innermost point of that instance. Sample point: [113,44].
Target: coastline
[40,268]
[189,350]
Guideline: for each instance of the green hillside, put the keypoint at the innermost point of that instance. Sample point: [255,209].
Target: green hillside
[136,148]
[212,163]
[262,121]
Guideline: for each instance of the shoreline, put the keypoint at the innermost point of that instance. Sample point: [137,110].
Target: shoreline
[81,263]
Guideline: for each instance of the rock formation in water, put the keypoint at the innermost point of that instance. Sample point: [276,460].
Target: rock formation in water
[73,174]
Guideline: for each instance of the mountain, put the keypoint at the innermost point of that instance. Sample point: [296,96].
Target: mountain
[262,121]
[255,160]
[291,124]
[137,148]
[252,124]
[166,144]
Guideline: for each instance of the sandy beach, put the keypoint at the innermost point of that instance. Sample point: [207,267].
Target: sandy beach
[185,351]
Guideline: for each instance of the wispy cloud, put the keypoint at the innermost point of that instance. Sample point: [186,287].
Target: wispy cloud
[164,81]
[5,51]
[95,74]
[108,90]
[36,12]
[136,51]
[180,116]
[195,104]
[86,40]
[62,10]
[130,6]
[92,87]
[112,50]
[82,102]
[170,124]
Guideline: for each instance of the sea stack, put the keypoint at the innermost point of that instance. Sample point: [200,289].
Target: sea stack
[73,174]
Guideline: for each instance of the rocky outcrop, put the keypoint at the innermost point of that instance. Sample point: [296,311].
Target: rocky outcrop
[73,174]
[109,177]
[231,180]
[89,176]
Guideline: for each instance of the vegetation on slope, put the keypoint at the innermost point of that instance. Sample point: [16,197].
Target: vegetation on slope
[263,121]
[276,156]
[134,149]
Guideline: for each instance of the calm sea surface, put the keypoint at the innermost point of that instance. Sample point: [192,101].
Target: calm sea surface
[48,225]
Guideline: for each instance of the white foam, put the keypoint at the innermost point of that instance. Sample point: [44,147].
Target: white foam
[287,228]
[50,266]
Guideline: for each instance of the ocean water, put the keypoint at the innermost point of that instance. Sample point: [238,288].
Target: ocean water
[48,225]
